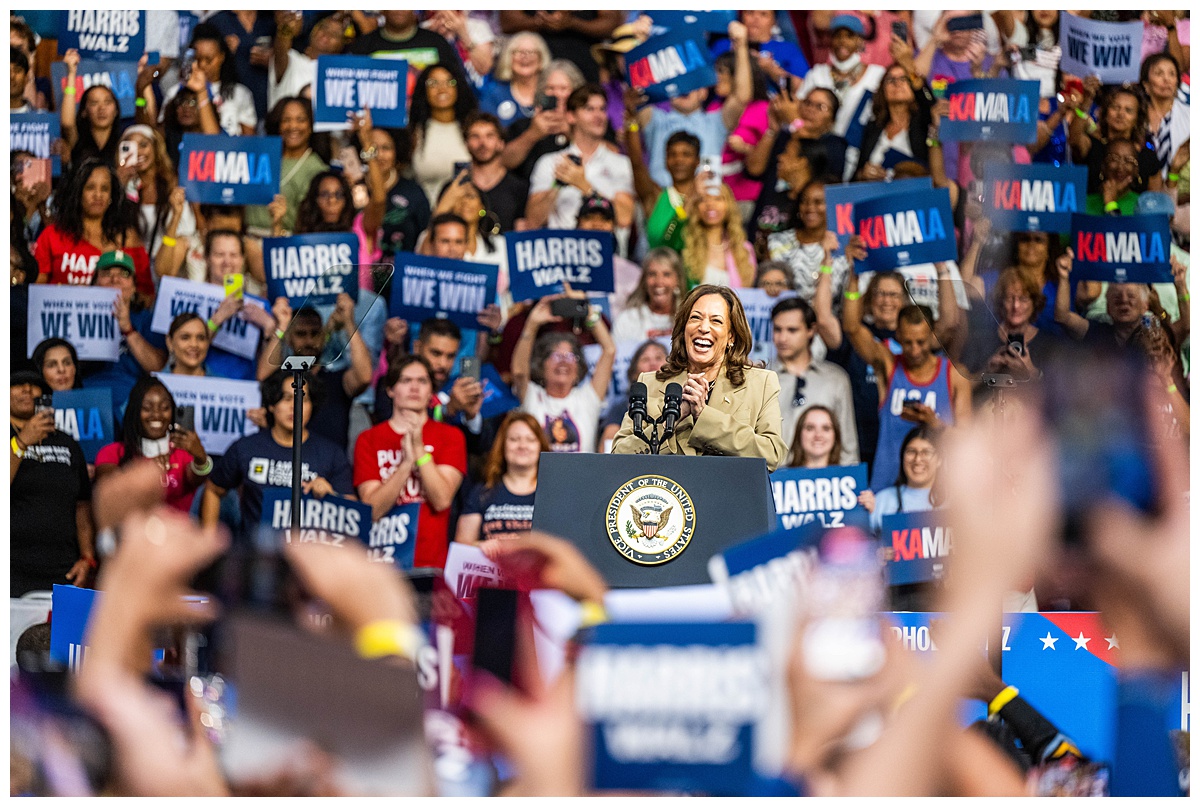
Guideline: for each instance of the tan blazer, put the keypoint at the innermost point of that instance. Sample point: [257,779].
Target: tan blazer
[740,421]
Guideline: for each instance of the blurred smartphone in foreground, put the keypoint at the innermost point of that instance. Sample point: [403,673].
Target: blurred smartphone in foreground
[35,171]
[1094,404]
[842,640]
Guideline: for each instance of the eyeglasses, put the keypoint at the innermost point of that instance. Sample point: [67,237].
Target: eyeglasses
[526,52]
[808,102]
[1011,299]
[434,83]
[896,80]
[331,195]
[888,295]
[564,356]
[190,102]
[798,397]
[919,454]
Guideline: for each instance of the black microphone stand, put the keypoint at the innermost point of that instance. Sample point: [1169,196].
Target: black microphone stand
[298,366]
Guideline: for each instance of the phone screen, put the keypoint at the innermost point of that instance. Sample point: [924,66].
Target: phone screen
[470,367]
[128,152]
[234,284]
[495,632]
[185,418]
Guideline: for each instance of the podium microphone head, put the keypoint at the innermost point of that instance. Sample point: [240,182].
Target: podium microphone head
[638,392]
[674,393]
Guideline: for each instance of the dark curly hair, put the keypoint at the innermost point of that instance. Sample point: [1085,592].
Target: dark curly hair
[1140,124]
[317,141]
[545,345]
[119,218]
[279,383]
[308,215]
[464,102]
[206,31]
[741,339]
[131,435]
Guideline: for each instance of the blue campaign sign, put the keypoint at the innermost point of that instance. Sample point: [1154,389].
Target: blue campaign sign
[349,83]
[1121,249]
[1033,198]
[764,571]
[840,201]
[177,296]
[828,496]
[670,65]
[711,22]
[70,607]
[225,170]
[540,261]
[316,267]
[327,520]
[914,630]
[103,34]
[674,706]
[120,77]
[1110,50]
[996,109]
[919,544]
[905,230]
[221,405]
[86,415]
[83,315]
[35,132]
[425,287]
[393,538]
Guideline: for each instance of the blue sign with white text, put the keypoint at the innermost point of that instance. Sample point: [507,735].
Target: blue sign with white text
[1033,198]
[919,545]
[349,83]
[711,22]
[70,607]
[393,538]
[327,520]
[225,170]
[764,571]
[908,229]
[840,201]
[86,415]
[1121,249]
[540,261]
[828,496]
[674,706]
[425,287]
[103,34]
[995,109]
[316,267]
[120,77]
[670,65]
[35,132]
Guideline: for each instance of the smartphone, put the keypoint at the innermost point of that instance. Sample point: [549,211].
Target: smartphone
[185,64]
[575,158]
[900,29]
[842,639]
[1028,53]
[459,168]
[153,57]
[569,308]
[1094,404]
[234,284]
[1016,343]
[547,103]
[128,152]
[495,632]
[470,367]
[785,85]
[971,22]
[910,405]
[185,418]
[44,403]
[34,171]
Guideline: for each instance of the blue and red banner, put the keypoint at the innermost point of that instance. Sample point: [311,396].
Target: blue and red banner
[919,543]
[840,200]
[1033,198]
[907,229]
[670,65]
[1121,249]
[997,109]
[226,170]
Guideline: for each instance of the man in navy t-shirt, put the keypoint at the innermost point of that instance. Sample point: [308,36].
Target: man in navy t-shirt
[264,460]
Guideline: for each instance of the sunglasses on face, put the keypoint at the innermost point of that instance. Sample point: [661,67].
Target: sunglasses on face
[798,397]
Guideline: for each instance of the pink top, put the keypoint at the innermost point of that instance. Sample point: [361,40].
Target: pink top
[176,491]
[366,256]
[750,128]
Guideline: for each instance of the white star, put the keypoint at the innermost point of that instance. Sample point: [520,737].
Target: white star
[1112,642]
[1048,641]
[1080,641]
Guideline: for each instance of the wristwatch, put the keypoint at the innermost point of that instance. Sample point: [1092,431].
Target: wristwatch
[367,154]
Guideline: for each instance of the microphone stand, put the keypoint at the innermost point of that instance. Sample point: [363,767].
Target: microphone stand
[298,366]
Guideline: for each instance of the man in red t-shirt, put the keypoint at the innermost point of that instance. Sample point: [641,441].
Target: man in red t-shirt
[393,466]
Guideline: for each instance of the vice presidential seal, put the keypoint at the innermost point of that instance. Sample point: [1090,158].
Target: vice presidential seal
[650,519]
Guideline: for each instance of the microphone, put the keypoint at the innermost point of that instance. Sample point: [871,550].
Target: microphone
[637,407]
[674,398]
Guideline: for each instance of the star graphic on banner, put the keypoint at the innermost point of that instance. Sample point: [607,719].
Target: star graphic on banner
[1112,642]
[1048,641]
[1081,641]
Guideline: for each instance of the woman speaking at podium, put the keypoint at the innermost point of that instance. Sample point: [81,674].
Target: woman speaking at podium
[727,407]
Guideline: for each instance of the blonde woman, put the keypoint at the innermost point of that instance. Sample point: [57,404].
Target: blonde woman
[715,250]
[513,95]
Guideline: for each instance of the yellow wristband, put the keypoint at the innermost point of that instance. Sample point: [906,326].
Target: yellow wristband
[212,326]
[1183,295]
[633,127]
[593,614]
[388,637]
[1172,177]
[17,450]
[69,89]
[1111,206]
[1171,390]
[168,241]
[851,295]
[1003,699]
[826,270]
[424,459]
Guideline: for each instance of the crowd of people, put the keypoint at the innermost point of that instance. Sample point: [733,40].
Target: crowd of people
[524,120]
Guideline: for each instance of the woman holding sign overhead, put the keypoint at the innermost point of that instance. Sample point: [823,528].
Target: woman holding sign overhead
[727,407]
